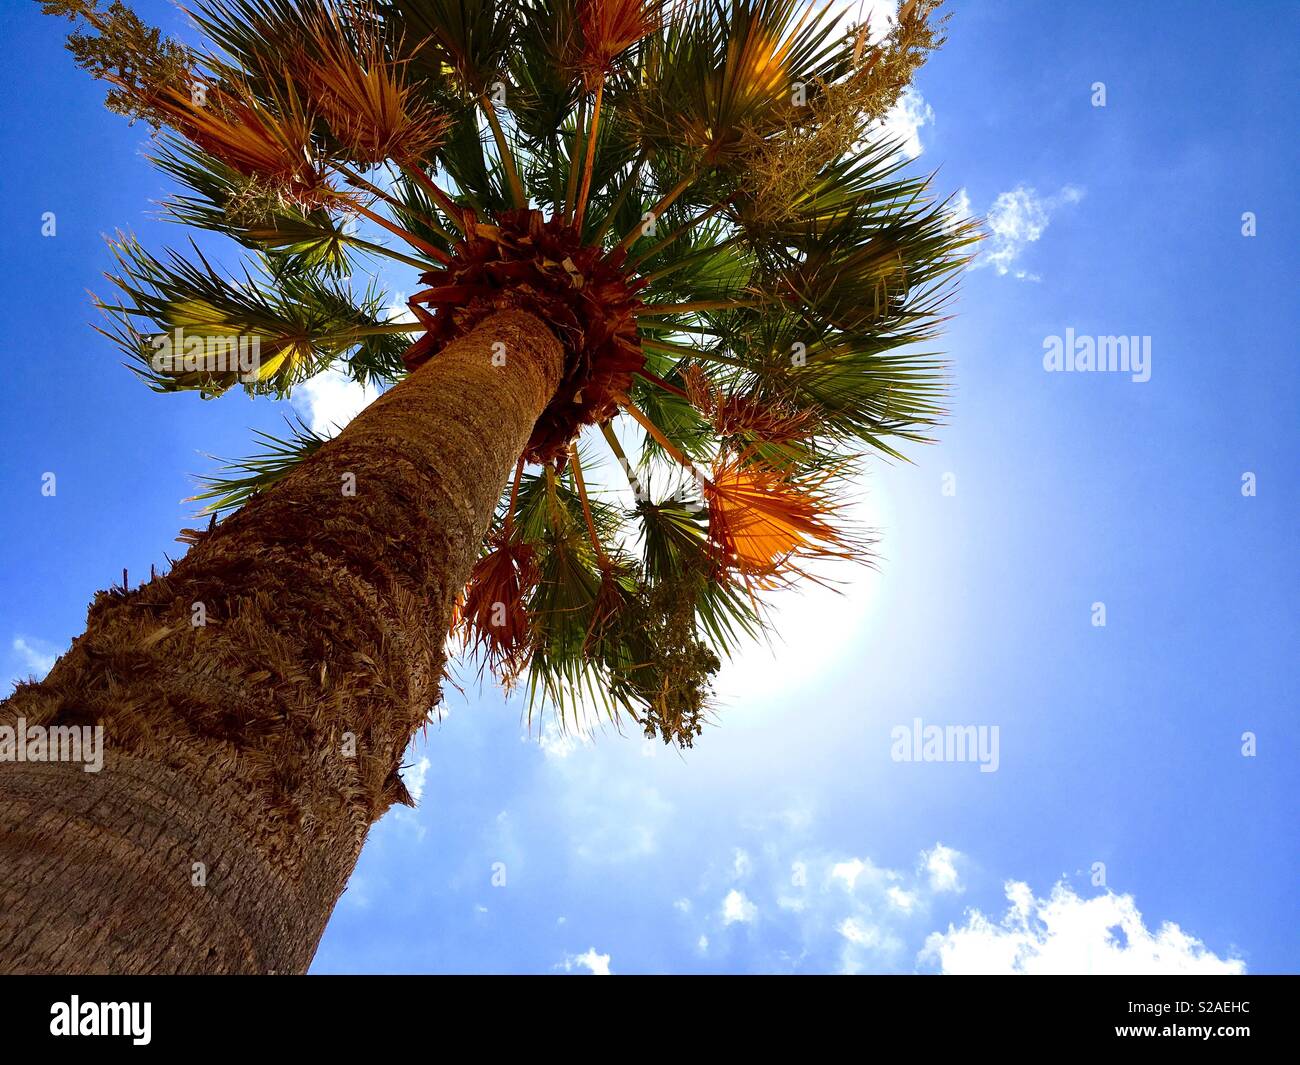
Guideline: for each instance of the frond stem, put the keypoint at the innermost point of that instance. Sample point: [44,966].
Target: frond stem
[607,431]
[658,310]
[503,148]
[358,181]
[655,379]
[682,349]
[601,557]
[703,216]
[379,249]
[659,208]
[584,190]
[657,436]
[449,206]
[410,238]
[571,189]
[514,495]
[599,236]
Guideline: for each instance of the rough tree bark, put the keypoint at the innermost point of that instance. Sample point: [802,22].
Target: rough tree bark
[230,812]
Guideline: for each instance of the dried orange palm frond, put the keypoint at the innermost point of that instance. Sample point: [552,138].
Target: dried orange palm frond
[364,96]
[764,524]
[269,143]
[493,619]
[737,414]
[611,27]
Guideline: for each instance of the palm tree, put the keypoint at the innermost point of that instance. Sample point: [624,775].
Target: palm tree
[668,231]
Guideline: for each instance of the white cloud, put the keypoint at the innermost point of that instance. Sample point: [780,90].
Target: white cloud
[859,933]
[736,907]
[414,778]
[36,660]
[959,209]
[940,863]
[557,741]
[741,866]
[1068,934]
[877,14]
[849,914]
[595,964]
[399,310]
[848,872]
[904,121]
[866,945]
[1017,219]
[855,869]
[330,400]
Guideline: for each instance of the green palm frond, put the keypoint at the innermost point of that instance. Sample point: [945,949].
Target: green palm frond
[246,477]
[469,37]
[722,73]
[544,79]
[225,201]
[187,327]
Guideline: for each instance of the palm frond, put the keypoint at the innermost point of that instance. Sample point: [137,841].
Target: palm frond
[244,478]
[372,107]
[469,37]
[210,332]
[225,201]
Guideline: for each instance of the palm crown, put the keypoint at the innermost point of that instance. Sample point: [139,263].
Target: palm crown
[689,194]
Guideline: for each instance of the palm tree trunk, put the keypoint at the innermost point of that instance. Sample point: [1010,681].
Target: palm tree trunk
[257,699]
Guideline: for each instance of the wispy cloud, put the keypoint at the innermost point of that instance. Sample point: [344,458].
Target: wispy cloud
[849,872]
[557,741]
[36,656]
[414,778]
[1017,219]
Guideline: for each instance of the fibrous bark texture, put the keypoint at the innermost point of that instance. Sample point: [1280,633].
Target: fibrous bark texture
[257,699]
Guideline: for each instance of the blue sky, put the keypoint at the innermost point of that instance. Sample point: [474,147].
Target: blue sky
[790,840]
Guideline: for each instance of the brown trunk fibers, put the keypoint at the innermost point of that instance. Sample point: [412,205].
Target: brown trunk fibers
[229,813]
